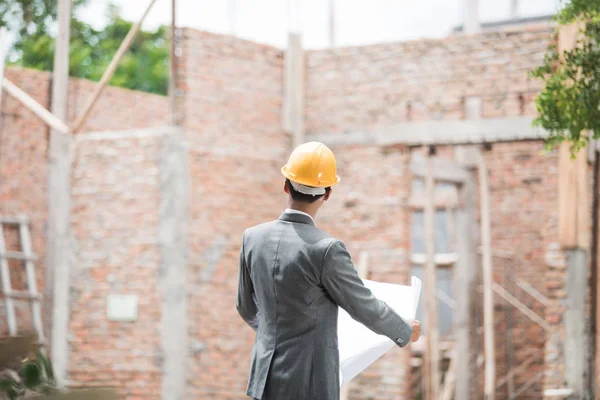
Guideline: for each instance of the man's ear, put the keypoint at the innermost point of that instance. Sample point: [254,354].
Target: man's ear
[327,195]
[285,187]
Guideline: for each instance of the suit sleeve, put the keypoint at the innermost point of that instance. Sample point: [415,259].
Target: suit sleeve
[246,303]
[340,279]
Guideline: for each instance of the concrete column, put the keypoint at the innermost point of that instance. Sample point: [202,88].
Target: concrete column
[293,89]
[58,237]
[173,239]
[574,321]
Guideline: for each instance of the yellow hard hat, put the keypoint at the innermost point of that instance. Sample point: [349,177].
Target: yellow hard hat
[312,164]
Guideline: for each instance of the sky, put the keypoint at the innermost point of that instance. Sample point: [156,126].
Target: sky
[358,22]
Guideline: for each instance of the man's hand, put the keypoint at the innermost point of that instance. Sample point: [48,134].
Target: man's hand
[416,330]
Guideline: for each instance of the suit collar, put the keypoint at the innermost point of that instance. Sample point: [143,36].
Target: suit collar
[297,217]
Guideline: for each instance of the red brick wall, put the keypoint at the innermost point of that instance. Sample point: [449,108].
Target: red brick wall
[23,182]
[115,197]
[232,106]
[361,87]
[23,155]
[523,190]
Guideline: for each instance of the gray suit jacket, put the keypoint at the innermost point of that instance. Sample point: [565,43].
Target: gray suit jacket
[292,279]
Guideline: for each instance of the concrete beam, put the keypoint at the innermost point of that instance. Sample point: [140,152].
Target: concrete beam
[418,133]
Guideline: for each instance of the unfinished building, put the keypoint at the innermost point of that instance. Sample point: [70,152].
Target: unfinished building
[411,124]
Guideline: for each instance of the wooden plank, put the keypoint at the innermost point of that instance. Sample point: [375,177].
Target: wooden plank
[16,255]
[443,170]
[567,198]
[441,259]
[527,385]
[441,201]
[563,393]
[519,369]
[533,292]
[450,380]
[34,106]
[3,53]
[6,288]
[112,67]
[520,306]
[22,295]
[509,255]
[488,280]
[573,199]
[464,285]
[58,235]
[509,282]
[439,132]
[574,237]
[36,309]
[451,227]
[594,374]
[444,298]
[582,206]
[431,311]
[14,220]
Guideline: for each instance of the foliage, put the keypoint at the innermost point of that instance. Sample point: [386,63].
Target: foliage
[143,67]
[34,375]
[569,104]
[28,17]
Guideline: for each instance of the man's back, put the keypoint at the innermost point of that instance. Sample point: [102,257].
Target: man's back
[293,276]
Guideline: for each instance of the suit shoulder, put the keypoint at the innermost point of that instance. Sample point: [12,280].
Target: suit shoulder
[325,240]
[259,229]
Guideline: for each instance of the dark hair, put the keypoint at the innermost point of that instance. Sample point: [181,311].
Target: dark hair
[301,197]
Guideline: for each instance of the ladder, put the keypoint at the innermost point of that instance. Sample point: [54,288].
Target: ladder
[26,258]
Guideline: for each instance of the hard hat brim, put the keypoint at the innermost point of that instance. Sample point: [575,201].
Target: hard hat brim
[286,173]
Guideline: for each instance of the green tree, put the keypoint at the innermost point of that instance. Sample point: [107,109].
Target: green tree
[143,67]
[569,104]
[27,17]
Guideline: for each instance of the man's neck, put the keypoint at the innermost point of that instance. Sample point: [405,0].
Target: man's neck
[303,208]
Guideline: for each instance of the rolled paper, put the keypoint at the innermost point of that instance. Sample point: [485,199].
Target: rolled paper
[359,347]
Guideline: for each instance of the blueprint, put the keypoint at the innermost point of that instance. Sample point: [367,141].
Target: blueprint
[359,346]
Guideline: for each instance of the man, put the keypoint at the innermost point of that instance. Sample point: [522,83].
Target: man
[292,278]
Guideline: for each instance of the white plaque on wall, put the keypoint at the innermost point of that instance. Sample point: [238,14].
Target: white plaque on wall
[121,307]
